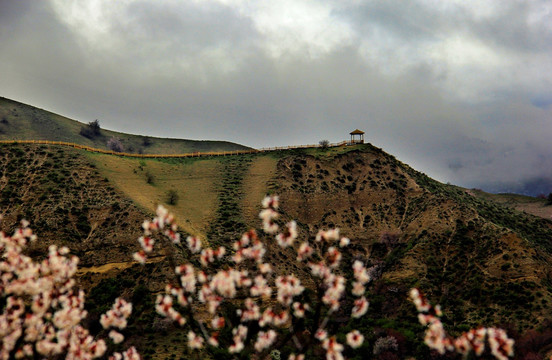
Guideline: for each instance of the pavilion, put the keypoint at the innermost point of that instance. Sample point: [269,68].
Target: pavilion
[357,137]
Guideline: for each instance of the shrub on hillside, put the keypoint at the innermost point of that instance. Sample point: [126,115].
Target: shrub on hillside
[390,239]
[91,130]
[172,197]
[150,178]
[115,144]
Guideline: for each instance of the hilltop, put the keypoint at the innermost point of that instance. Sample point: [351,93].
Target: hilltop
[485,263]
[19,121]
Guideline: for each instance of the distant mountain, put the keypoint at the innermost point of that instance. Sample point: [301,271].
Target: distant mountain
[24,122]
[531,187]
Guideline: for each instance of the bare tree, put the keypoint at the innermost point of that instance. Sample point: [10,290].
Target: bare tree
[115,144]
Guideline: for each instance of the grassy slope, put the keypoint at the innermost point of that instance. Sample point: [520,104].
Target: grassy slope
[192,179]
[527,204]
[25,122]
[204,186]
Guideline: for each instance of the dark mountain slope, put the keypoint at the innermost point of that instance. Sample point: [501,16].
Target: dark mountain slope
[485,263]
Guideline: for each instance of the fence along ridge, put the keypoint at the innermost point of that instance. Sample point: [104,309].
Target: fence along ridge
[185,155]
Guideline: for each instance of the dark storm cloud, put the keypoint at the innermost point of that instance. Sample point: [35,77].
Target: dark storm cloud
[460,92]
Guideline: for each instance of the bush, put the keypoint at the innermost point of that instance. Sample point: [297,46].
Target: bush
[172,197]
[385,344]
[389,239]
[115,144]
[324,144]
[91,130]
[150,179]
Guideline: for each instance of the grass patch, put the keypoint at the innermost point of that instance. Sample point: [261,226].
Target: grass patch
[191,181]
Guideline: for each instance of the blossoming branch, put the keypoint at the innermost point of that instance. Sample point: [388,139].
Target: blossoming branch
[261,319]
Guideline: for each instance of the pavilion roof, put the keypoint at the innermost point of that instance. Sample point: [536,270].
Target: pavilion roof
[357,132]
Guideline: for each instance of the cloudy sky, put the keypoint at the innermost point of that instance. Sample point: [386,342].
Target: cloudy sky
[459,89]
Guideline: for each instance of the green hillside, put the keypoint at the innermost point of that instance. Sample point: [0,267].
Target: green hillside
[24,122]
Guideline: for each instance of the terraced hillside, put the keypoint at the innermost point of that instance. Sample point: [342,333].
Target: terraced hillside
[483,262]
[24,122]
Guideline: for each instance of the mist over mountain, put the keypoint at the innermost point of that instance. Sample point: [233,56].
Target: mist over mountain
[531,187]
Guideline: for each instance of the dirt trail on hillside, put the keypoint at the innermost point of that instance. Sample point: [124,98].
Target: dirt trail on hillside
[116,266]
[256,181]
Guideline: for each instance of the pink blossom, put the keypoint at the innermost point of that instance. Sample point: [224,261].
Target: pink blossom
[268,216]
[344,242]
[360,272]
[333,348]
[140,257]
[240,333]
[131,354]
[194,244]
[281,319]
[333,257]
[187,277]
[265,268]
[217,323]
[194,341]
[299,309]
[147,243]
[421,304]
[358,289]
[209,255]
[335,289]
[116,336]
[327,235]
[319,269]
[260,287]
[264,340]
[267,318]
[296,357]
[270,202]
[172,234]
[501,346]
[251,311]
[304,252]
[47,323]
[360,308]
[288,287]
[287,238]
[213,339]
[474,340]
[227,283]
[355,339]
[321,334]
[117,316]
